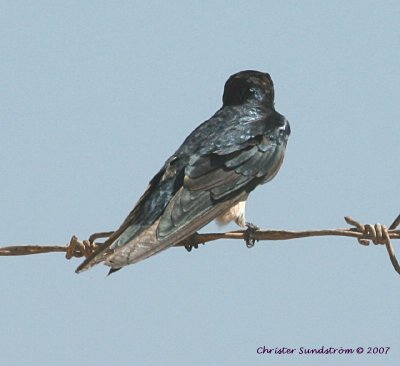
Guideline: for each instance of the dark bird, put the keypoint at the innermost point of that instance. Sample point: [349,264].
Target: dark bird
[209,177]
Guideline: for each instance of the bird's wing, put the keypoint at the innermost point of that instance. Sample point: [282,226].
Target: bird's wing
[212,185]
[215,182]
[195,186]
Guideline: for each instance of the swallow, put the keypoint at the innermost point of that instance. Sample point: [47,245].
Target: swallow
[209,177]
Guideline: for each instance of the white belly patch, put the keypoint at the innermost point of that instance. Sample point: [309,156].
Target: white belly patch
[235,213]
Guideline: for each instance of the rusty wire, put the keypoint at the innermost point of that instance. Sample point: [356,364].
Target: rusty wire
[364,233]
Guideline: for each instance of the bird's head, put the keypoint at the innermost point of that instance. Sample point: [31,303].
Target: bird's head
[249,86]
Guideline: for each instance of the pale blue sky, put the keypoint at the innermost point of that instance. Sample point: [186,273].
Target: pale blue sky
[96,95]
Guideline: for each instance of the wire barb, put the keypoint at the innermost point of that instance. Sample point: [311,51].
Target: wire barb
[80,248]
[378,234]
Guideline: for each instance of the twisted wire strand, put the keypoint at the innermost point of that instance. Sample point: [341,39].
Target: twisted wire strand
[378,234]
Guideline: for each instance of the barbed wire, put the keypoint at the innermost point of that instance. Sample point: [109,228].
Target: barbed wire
[378,234]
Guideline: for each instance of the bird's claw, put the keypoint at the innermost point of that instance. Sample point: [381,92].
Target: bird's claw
[191,243]
[249,234]
[189,247]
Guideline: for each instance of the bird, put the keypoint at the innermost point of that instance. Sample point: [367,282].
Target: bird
[210,176]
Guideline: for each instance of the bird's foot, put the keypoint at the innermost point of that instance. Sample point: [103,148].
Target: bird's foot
[249,234]
[191,243]
[189,246]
